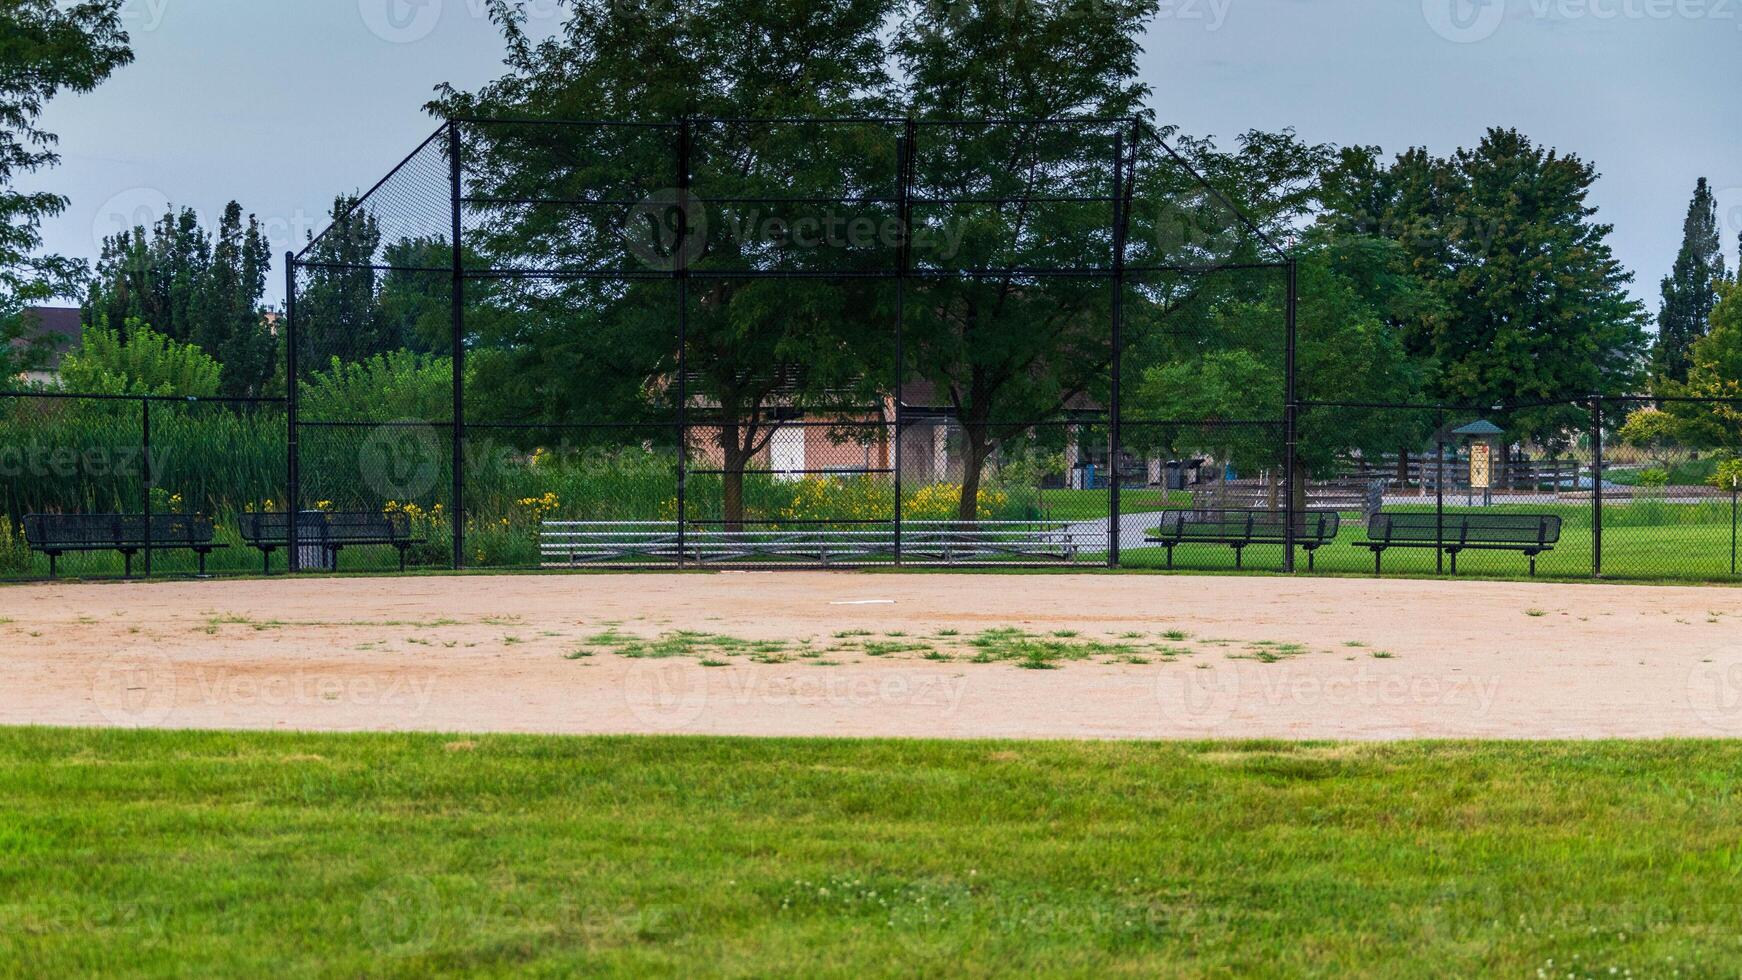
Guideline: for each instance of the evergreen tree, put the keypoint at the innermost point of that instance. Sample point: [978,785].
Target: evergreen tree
[338,312]
[193,288]
[1532,305]
[233,327]
[45,48]
[1690,291]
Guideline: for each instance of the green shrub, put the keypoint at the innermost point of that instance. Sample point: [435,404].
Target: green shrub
[137,360]
[1727,475]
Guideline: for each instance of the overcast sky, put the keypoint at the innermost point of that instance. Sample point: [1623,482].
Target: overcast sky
[280,104]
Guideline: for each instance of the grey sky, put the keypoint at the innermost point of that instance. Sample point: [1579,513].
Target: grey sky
[280,104]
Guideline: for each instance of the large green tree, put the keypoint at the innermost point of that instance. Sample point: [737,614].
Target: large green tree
[194,287]
[1349,351]
[995,347]
[1532,303]
[1690,291]
[586,350]
[46,48]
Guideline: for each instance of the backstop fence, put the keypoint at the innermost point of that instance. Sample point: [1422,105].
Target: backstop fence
[825,342]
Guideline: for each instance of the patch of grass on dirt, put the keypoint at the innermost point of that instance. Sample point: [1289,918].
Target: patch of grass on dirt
[1269,651]
[1004,644]
[1034,651]
[885,648]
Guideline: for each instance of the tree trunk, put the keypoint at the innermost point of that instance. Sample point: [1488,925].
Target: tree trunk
[732,497]
[973,466]
[733,459]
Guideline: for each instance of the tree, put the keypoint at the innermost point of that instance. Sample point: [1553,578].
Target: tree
[1347,351]
[338,312]
[1690,291]
[45,48]
[1656,433]
[576,349]
[1715,372]
[193,288]
[1001,350]
[137,360]
[233,327]
[1533,305]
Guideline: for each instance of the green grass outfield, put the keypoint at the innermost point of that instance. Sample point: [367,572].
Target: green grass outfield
[299,855]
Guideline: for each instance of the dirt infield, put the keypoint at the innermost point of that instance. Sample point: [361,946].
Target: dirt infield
[843,654]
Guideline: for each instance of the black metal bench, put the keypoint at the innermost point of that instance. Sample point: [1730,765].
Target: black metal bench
[58,534]
[1531,534]
[330,532]
[1242,528]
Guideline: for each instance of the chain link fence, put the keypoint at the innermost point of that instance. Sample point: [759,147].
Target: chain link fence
[833,343]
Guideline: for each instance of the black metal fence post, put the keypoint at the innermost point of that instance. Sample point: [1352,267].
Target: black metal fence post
[680,270]
[457,494]
[1115,480]
[904,216]
[1596,488]
[148,476]
[1735,494]
[1440,492]
[1290,420]
[292,478]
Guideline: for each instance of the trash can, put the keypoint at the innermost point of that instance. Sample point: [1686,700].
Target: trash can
[312,553]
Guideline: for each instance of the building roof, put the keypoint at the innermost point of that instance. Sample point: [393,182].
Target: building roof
[63,325]
[1480,427]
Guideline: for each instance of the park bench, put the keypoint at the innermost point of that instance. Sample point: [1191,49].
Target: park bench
[1242,528]
[1530,534]
[58,534]
[331,533]
[570,544]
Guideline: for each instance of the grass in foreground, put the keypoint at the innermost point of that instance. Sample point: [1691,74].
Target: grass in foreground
[295,855]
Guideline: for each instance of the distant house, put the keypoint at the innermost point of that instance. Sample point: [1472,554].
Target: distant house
[62,325]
